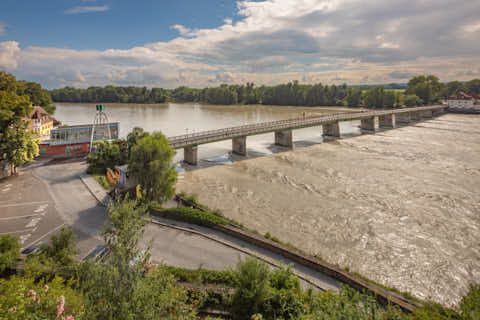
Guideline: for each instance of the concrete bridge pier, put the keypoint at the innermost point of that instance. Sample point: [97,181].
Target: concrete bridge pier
[427,114]
[190,155]
[239,146]
[416,115]
[370,124]
[437,112]
[331,130]
[284,138]
[403,118]
[387,121]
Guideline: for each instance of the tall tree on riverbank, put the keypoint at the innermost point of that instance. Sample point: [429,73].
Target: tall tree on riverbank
[17,145]
[151,164]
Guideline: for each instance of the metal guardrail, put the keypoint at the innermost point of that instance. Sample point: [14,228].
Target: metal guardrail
[203,137]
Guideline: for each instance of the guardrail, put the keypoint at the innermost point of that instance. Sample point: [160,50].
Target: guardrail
[185,140]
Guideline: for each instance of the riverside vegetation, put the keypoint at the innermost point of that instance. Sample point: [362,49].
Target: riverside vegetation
[419,90]
[125,286]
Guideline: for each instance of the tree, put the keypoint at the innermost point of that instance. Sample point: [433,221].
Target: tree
[107,154]
[16,143]
[132,138]
[427,88]
[9,252]
[411,100]
[354,98]
[62,248]
[121,287]
[251,289]
[473,86]
[374,98]
[151,164]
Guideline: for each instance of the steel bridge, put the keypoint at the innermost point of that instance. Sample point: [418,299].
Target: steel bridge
[370,121]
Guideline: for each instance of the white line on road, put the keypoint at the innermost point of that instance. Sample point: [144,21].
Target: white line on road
[46,234]
[18,231]
[21,217]
[22,204]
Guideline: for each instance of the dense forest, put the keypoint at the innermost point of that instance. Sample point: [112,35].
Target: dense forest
[419,90]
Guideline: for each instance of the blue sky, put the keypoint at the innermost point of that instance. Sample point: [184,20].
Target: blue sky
[202,43]
[122,24]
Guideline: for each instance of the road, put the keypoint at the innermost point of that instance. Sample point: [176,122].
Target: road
[44,198]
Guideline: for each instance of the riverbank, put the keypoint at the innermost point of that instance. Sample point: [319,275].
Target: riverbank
[399,207]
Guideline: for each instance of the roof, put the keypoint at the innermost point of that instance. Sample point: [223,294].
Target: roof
[464,96]
[40,114]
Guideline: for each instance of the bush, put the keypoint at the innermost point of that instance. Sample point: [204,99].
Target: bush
[191,215]
[107,154]
[412,100]
[223,278]
[9,252]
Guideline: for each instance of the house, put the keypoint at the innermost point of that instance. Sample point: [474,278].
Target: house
[464,101]
[40,122]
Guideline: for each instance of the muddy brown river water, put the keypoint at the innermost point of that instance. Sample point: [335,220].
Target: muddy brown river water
[401,207]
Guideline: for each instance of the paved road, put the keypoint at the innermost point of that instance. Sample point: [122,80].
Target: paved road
[44,198]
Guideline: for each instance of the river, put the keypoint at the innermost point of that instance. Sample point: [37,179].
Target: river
[401,207]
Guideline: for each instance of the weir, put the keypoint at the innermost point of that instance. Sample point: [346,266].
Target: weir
[283,129]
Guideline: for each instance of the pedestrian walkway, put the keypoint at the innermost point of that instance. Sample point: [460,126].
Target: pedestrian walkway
[97,190]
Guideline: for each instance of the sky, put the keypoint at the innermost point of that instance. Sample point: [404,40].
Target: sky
[200,43]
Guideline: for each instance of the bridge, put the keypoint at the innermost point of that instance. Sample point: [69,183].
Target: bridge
[371,121]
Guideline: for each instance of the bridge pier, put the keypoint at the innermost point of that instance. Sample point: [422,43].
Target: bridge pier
[427,114]
[284,138]
[387,121]
[403,118]
[239,146]
[416,115]
[437,112]
[370,124]
[331,130]
[190,155]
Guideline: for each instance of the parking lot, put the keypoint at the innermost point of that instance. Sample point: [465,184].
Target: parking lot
[34,208]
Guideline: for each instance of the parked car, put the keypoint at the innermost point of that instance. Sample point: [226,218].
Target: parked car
[98,253]
[31,249]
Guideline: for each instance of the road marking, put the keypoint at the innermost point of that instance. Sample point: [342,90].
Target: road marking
[22,204]
[6,189]
[41,208]
[18,231]
[33,223]
[46,234]
[21,217]
[24,238]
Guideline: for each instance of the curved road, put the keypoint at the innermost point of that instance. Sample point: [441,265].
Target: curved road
[172,243]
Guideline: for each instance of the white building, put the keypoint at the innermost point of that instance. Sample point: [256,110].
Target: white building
[464,101]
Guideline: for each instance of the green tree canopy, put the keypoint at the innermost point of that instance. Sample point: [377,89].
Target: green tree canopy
[151,165]
[9,252]
[17,145]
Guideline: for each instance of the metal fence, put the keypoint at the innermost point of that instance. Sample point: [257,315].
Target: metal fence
[185,140]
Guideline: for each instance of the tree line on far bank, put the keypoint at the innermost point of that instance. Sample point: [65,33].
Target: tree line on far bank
[419,90]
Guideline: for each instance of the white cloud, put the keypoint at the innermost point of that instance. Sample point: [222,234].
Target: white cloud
[353,41]
[474,27]
[8,55]
[87,9]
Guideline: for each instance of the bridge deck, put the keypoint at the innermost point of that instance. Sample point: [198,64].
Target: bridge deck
[204,137]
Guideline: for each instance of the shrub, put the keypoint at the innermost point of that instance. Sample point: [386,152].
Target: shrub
[191,215]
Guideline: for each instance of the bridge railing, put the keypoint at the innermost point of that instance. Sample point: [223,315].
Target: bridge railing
[258,128]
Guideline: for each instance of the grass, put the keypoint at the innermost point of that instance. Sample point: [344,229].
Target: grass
[103,181]
[191,215]
[201,276]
